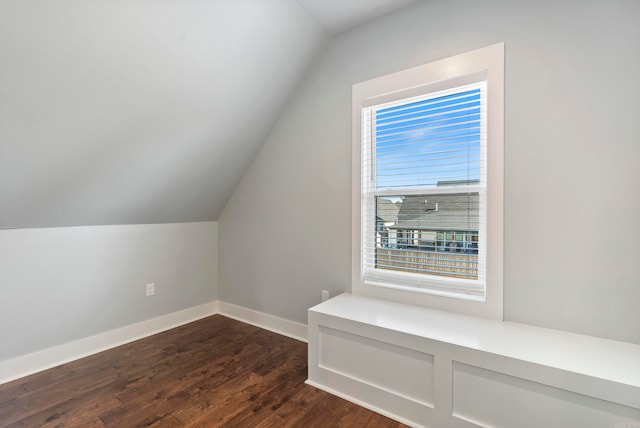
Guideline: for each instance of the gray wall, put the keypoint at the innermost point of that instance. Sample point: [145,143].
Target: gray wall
[572,257]
[62,284]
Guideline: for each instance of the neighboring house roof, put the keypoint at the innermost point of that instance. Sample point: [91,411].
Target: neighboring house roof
[387,210]
[443,212]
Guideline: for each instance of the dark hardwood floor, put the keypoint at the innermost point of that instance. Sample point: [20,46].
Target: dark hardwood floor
[211,373]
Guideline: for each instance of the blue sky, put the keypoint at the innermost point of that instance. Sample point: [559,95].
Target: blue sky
[421,143]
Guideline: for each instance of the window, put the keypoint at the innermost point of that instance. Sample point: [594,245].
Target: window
[424,156]
[429,184]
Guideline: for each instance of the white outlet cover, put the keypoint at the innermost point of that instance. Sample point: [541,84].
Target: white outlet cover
[151,289]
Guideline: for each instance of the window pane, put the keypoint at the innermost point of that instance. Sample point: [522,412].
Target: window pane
[429,142]
[428,234]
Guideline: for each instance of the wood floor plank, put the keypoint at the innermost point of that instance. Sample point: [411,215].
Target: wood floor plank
[58,398]
[292,411]
[73,413]
[258,396]
[12,390]
[211,373]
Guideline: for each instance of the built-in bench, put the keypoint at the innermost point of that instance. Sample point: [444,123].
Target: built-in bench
[439,369]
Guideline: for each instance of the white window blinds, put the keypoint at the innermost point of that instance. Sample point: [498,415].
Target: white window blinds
[423,191]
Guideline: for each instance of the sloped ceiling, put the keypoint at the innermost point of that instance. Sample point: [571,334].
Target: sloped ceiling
[339,15]
[135,111]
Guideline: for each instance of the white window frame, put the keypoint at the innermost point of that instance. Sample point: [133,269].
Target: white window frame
[472,289]
[485,64]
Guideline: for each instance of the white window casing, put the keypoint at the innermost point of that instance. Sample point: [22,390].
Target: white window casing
[457,177]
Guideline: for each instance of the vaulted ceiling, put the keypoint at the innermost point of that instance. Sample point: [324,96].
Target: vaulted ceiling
[130,111]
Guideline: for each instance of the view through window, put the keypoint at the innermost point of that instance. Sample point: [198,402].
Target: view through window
[423,187]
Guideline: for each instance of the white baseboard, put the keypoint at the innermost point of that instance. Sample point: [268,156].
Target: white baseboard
[268,322]
[25,365]
[51,357]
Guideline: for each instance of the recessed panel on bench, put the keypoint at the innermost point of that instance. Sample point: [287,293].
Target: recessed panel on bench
[395,369]
[492,399]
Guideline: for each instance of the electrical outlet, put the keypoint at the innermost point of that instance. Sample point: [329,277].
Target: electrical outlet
[151,289]
[325,295]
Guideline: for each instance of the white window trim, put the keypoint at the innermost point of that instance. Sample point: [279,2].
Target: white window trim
[486,63]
